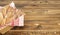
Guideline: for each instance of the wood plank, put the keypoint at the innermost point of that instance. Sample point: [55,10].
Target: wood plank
[38,8]
[44,6]
[40,18]
[24,2]
[42,22]
[21,0]
[41,11]
[53,1]
[33,32]
[32,4]
[43,27]
[37,27]
[30,0]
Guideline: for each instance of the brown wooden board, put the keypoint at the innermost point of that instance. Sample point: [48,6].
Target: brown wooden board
[33,32]
[42,17]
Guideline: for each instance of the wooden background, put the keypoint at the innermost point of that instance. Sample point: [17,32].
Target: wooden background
[42,17]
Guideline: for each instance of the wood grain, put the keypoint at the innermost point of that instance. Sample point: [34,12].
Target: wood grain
[41,11]
[39,25]
[29,0]
[34,4]
[33,32]
[42,17]
[41,14]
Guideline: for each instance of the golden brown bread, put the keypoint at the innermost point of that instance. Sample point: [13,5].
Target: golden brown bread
[1,17]
[4,10]
[9,13]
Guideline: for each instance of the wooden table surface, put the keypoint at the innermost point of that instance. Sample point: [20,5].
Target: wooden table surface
[42,17]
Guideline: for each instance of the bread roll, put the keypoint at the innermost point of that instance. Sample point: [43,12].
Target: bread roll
[5,10]
[1,17]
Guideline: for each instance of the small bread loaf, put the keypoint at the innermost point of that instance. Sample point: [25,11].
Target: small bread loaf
[4,10]
[1,17]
